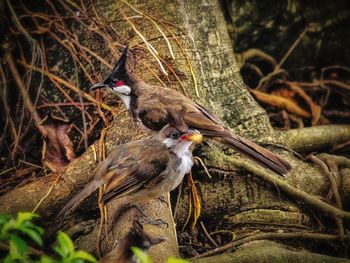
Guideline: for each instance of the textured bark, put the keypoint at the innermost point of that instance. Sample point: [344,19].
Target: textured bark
[232,197]
[268,252]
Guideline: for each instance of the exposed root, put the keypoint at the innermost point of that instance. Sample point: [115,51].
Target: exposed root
[278,236]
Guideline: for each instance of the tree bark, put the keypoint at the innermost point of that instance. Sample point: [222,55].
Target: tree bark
[232,197]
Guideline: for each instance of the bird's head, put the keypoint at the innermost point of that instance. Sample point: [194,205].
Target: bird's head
[120,80]
[173,137]
[177,134]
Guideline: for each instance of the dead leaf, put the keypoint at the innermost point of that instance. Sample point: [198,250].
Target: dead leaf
[58,148]
[281,103]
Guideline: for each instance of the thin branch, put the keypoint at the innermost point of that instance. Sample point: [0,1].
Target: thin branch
[25,95]
[71,86]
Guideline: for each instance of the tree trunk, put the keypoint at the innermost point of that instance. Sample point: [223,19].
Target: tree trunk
[232,197]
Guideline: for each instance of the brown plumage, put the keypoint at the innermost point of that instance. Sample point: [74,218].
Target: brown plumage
[143,169]
[152,107]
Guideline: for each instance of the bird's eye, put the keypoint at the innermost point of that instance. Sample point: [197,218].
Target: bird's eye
[175,134]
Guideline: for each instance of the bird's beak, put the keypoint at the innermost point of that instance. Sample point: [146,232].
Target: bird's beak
[193,136]
[99,86]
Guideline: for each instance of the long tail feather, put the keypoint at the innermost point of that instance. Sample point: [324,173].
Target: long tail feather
[257,154]
[81,196]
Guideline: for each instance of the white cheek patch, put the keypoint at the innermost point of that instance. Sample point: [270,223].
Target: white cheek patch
[168,142]
[124,93]
[122,90]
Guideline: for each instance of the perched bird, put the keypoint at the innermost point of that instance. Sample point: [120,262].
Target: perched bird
[136,237]
[143,169]
[151,107]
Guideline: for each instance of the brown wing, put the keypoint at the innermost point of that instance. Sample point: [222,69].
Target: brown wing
[156,105]
[136,172]
[197,117]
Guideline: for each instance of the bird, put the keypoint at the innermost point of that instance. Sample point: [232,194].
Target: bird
[151,107]
[136,237]
[142,169]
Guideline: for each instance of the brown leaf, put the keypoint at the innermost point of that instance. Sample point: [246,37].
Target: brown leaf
[314,108]
[281,103]
[58,148]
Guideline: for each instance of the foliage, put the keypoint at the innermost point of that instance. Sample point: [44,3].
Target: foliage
[143,257]
[15,233]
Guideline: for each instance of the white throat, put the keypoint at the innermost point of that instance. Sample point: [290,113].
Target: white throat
[124,93]
[183,152]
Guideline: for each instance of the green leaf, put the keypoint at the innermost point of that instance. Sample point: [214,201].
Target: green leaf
[24,216]
[141,255]
[9,259]
[60,251]
[5,229]
[29,224]
[33,235]
[46,259]
[66,245]
[18,247]
[176,260]
[80,254]
[4,218]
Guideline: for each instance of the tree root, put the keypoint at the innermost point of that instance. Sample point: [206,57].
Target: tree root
[314,138]
[265,251]
[285,186]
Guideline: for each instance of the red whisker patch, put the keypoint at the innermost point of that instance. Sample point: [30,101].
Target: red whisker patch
[184,137]
[120,83]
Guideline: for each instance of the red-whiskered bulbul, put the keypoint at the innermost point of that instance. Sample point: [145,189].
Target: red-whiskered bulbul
[143,169]
[151,106]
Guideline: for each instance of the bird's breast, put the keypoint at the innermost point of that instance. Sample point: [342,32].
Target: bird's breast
[185,163]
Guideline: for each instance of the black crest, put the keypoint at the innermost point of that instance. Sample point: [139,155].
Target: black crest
[120,68]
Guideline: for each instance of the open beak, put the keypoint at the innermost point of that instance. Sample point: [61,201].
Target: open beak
[99,86]
[193,136]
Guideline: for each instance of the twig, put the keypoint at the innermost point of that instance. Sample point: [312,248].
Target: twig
[178,196]
[269,76]
[291,49]
[155,24]
[25,95]
[47,193]
[71,86]
[253,52]
[203,165]
[187,60]
[335,191]
[207,234]
[152,50]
